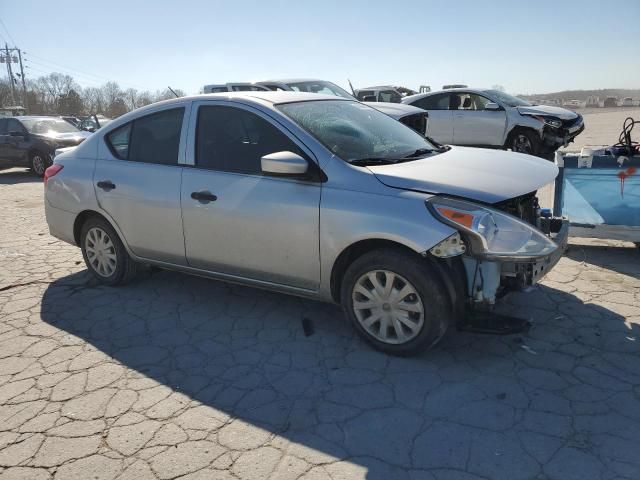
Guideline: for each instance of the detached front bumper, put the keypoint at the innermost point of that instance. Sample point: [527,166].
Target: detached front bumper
[561,137]
[489,280]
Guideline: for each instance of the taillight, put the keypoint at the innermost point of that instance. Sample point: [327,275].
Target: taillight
[52,171]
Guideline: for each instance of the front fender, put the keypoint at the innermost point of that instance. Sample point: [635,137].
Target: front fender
[348,217]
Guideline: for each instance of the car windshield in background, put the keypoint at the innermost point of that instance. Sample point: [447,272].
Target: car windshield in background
[48,125]
[510,100]
[358,133]
[316,86]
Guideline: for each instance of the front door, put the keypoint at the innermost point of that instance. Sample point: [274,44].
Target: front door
[137,182]
[473,125]
[237,221]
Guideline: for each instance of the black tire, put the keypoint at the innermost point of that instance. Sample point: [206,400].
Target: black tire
[436,305]
[39,162]
[524,141]
[124,268]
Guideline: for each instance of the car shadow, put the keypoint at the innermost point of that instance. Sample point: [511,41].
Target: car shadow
[623,259]
[294,368]
[14,176]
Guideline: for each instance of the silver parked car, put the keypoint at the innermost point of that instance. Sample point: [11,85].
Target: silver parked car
[311,195]
[491,118]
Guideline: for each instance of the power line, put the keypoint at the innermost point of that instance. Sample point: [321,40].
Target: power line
[70,69]
[83,78]
[8,34]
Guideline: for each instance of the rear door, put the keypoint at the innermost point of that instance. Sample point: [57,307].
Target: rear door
[137,182]
[473,125]
[238,221]
[16,146]
[440,124]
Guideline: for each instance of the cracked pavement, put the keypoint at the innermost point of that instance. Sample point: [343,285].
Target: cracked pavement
[181,377]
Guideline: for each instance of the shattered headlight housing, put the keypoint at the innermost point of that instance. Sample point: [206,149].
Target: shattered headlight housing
[490,232]
[551,121]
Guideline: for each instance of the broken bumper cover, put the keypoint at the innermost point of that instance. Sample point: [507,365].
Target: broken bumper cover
[563,136]
[489,279]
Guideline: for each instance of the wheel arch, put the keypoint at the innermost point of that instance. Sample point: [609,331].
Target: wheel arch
[520,128]
[83,216]
[354,251]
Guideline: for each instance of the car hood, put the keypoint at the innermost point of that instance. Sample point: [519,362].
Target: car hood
[546,110]
[395,110]
[484,175]
[66,138]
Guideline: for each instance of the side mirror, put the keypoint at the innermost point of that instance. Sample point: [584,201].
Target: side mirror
[492,106]
[369,98]
[284,163]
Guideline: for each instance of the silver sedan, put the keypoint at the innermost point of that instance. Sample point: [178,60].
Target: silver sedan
[310,195]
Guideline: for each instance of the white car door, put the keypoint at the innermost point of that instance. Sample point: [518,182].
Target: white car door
[440,122]
[473,124]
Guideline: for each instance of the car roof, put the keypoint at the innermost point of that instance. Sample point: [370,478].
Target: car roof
[293,80]
[418,96]
[36,117]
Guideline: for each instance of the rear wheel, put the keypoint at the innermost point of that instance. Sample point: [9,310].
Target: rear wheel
[104,254]
[395,302]
[39,162]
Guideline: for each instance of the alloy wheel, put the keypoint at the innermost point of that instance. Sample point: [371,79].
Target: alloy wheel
[521,144]
[101,252]
[38,164]
[388,307]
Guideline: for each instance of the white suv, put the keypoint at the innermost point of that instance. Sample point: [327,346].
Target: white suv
[491,118]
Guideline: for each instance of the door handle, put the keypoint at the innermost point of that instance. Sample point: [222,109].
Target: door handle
[204,196]
[106,185]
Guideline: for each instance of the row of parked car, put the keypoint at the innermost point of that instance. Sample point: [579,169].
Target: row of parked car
[31,141]
[316,195]
[457,115]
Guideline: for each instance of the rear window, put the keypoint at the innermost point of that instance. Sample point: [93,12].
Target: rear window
[153,138]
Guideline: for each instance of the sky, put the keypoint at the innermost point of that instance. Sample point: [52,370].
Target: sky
[526,46]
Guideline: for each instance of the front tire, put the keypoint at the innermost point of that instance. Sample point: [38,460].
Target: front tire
[524,141]
[39,162]
[104,254]
[395,302]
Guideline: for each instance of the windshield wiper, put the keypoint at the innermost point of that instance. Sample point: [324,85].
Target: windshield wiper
[363,162]
[419,152]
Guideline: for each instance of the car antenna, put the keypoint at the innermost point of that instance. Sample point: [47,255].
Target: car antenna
[351,87]
[173,91]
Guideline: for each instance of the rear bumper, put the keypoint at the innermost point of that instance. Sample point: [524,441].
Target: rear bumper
[60,223]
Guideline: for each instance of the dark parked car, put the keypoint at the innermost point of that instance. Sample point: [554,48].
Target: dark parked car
[32,141]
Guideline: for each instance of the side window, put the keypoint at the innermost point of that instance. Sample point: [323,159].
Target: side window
[365,93]
[15,126]
[153,138]
[390,96]
[433,102]
[233,140]
[118,141]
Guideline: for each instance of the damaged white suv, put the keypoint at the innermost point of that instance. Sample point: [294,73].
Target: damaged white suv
[491,118]
[311,195]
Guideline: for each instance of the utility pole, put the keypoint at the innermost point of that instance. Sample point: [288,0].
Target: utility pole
[10,72]
[24,85]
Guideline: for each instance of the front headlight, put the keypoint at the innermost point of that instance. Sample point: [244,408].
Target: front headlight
[552,122]
[490,232]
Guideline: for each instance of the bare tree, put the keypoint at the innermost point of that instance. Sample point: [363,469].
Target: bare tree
[93,101]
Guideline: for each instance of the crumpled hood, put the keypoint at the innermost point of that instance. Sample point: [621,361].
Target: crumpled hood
[484,175]
[66,138]
[546,110]
[395,110]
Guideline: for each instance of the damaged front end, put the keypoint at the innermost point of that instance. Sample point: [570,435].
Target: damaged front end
[558,133]
[505,247]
